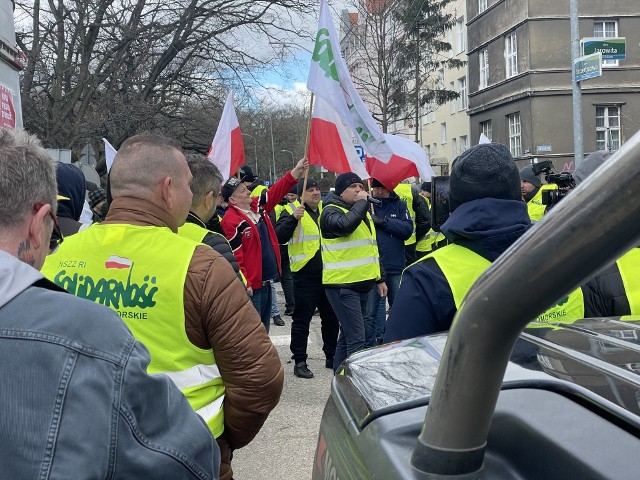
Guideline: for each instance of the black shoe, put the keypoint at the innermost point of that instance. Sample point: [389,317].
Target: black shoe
[277,321]
[301,370]
[328,363]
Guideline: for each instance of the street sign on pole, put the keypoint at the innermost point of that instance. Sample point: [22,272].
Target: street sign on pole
[589,66]
[611,48]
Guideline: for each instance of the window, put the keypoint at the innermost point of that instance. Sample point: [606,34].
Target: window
[462,91]
[460,40]
[452,102]
[450,41]
[606,29]
[485,127]
[484,68]
[608,128]
[432,114]
[443,133]
[464,143]
[482,5]
[514,134]
[511,54]
[434,149]
[454,148]
[427,150]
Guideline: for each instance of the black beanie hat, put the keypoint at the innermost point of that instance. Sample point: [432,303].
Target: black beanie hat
[526,174]
[376,183]
[344,180]
[310,184]
[484,171]
[294,189]
[426,186]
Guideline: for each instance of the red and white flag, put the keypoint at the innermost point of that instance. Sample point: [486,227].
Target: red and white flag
[408,160]
[330,144]
[329,79]
[109,154]
[227,148]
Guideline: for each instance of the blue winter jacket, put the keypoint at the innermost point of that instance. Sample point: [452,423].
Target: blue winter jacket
[424,304]
[393,227]
[76,399]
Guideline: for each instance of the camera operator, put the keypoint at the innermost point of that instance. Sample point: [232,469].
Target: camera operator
[533,190]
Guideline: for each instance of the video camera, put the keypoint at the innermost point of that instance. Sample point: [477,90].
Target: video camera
[440,210]
[563,180]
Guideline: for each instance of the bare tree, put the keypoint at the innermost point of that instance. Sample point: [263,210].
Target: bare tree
[112,68]
[392,48]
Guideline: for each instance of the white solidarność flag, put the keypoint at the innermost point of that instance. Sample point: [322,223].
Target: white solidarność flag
[330,144]
[227,148]
[329,79]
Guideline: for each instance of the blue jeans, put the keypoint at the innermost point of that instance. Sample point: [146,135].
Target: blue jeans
[349,306]
[261,300]
[376,314]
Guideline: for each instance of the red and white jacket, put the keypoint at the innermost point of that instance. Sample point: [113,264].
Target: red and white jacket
[243,234]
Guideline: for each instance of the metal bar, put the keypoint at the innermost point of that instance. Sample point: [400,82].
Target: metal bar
[595,224]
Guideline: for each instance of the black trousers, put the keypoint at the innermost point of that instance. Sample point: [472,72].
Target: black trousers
[310,293]
[286,279]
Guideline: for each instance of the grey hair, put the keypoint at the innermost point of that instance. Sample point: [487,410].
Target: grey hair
[142,162]
[27,176]
[206,178]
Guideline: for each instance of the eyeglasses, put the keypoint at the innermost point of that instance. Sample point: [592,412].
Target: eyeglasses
[56,234]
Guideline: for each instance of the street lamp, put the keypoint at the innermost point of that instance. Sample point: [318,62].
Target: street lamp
[293,162]
[255,151]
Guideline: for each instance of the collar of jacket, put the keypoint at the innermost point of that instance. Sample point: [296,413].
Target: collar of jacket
[193,218]
[136,211]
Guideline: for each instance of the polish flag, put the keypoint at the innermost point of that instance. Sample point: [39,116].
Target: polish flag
[408,160]
[330,144]
[483,139]
[227,148]
[114,261]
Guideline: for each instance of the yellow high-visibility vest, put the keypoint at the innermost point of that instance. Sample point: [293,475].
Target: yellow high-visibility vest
[139,272]
[535,207]
[353,258]
[405,193]
[305,242]
[629,267]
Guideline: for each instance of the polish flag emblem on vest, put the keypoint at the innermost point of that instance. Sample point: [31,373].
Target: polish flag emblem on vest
[114,261]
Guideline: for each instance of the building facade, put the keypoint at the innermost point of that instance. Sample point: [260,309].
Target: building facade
[445,128]
[520,85]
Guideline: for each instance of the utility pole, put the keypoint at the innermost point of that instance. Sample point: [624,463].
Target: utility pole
[577,92]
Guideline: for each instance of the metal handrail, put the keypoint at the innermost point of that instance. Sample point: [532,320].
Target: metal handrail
[595,224]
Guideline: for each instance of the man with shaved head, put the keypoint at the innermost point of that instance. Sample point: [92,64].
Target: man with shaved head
[180,298]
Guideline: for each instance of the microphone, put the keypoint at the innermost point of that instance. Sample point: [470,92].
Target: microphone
[373,200]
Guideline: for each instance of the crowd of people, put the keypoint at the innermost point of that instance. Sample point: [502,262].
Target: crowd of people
[162,307]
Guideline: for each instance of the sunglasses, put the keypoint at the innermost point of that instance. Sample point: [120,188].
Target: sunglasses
[56,234]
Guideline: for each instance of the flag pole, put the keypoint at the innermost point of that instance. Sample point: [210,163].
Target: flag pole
[306,156]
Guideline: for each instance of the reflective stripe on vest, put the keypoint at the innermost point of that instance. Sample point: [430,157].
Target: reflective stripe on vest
[140,272]
[535,207]
[353,258]
[305,241]
[462,267]
[629,267]
[403,190]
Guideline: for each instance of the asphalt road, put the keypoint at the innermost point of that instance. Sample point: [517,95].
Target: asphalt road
[285,446]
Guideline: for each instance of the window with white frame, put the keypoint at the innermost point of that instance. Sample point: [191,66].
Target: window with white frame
[606,29]
[432,114]
[608,128]
[515,142]
[452,102]
[482,5]
[485,127]
[454,148]
[511,54]
[434,149]
[443,133]
[427,150]
[484,68]
[441,78]
[462,91]
[460,40]
[464,143]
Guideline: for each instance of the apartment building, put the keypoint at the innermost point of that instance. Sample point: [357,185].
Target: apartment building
[520,81]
